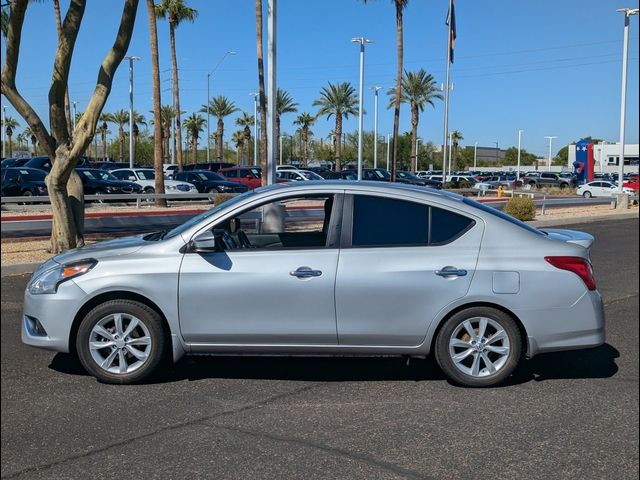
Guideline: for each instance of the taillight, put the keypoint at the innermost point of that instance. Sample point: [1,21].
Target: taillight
[578,265]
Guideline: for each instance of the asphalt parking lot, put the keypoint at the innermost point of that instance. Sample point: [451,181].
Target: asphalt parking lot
[565,415]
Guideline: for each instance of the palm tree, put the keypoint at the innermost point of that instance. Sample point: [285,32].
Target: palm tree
[284,104]
[399,5]
[10,124]
[193,125]
[418,89]
[121,118]
[246,121]
[104,130]
[176,12]
[220,107]
[339,100]
[238,140]
[304,121]
[4,22]
[263,98]
[456,136]
[29,135]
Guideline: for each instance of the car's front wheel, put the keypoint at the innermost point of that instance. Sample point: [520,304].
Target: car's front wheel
[478,347]
[587,194]
[121,341]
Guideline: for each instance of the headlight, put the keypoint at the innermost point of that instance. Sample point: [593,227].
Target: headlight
[192,187]
[170,187]
[47,281]
[41,189]
[226,188]
[109,189]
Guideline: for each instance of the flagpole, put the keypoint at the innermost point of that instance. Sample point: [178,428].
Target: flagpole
[446,100]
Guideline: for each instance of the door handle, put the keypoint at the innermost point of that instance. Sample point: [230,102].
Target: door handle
[451,272]
[305,272]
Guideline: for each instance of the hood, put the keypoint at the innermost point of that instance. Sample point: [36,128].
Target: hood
[100,250]
[570,236]
[175,183]
[117,184]
[222,183]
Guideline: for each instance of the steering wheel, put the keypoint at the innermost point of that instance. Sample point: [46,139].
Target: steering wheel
[244,239]
[229,242]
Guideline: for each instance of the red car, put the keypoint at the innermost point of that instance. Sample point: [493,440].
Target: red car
[249,176]
[631,183]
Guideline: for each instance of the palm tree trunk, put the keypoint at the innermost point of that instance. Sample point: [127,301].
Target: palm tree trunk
[276,147]
[305,140]
[67,103]
[194,149]
[219,137]
[415,119]
[104,144]
[247,142]
[157,118]
[176,94]
[338,141]
[396,110]
[263,99]
[121,144]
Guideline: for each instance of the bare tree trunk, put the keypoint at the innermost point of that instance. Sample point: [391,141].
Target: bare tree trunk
[67,103]
[157,119]
[176,93]
[396,109]
[415,119]
[219,139]
[263,98]
[338,142]
[246,135]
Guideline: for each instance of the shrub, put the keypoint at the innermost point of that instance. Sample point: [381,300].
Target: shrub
[522,208]
[219,198]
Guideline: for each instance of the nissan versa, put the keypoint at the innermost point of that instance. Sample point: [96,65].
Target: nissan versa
[327,267]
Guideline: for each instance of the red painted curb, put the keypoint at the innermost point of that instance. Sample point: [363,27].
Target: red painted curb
[106,215]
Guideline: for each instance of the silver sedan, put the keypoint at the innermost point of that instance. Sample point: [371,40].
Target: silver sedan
[328,267]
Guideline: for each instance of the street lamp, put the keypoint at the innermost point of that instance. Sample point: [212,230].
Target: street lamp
[255,127]
[519,143]
[375,126]
[230,52]
[362,41]
[549,163]
[623,98]
[4,137]
[475,155]
[388,148]
[131,60]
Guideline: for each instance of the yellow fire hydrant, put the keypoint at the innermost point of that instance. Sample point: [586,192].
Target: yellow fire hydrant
[500,191]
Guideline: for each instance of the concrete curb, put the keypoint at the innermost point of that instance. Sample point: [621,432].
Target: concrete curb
[24,268]
[577,220]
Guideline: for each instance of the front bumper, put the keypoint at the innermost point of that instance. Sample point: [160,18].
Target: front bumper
[580,326]
[47,319]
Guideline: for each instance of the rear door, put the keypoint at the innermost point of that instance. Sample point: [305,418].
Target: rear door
[400,263]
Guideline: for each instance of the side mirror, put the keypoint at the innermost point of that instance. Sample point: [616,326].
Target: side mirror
[206,243]
[132,178]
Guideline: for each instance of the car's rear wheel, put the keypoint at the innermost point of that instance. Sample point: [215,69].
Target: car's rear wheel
[478,347]
[587,194]
[121,341]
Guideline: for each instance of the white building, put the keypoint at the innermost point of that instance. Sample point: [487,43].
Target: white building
[607,155]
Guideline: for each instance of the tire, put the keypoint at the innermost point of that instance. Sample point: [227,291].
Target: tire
[147,338]
[587,194]
[563,186]
[503,353]
[150,190]
[27,193]
[533,184]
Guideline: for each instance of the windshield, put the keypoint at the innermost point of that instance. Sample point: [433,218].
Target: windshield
[502,215]
[311,175]
[209,176]
[95,174]
[198,218]
[382,173]
[146,174]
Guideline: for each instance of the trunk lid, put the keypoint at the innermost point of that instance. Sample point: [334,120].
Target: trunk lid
[570,236]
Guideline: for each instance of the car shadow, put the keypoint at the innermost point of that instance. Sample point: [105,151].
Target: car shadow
[591,363]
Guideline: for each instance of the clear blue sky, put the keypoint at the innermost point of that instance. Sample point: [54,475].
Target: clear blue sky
[547,67]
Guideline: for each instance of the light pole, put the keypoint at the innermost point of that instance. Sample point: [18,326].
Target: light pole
[375,125]
[388,148]
[255,127]
[4,122]
[444,178]
[549,162]
[519,144]
[362,41]
[623,97]
[131,60]
[75,114]
[230,52]
[475,155]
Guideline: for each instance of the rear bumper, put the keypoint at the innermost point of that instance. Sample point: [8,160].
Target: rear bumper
[580,326]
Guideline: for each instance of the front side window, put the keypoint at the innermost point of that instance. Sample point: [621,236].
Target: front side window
[146,174]
[294,223]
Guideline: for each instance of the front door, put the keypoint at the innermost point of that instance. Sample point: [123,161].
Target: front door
[403,262]
[274,282]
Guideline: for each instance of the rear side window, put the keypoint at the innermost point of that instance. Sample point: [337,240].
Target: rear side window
[230,174]
[379,221]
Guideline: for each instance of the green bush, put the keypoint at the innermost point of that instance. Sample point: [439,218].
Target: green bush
[219,198]
[522,208]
